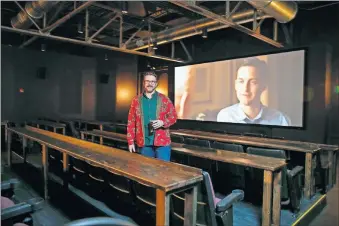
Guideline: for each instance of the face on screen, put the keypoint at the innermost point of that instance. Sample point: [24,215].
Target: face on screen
[248,86]
[150,83]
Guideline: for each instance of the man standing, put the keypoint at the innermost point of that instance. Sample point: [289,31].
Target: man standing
[149,118]
[250,83]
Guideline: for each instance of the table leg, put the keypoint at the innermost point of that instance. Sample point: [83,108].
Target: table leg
[45,168]
[65,162]
[267,199]
[276,198]
[82,136]
[191,202]
[54,130]
[309,177]
[101,139]
[9,151]
[163,208]
[334,171]
[24,147]
[330,168]
[63,131]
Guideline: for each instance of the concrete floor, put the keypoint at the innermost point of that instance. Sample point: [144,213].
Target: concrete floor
[329,215]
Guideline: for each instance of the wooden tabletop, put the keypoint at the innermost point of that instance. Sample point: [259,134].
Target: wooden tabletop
[106,134]
[329,147]
[159,174]
[237,158]
[253,141]
[93,122]
[48,123]
[259,162]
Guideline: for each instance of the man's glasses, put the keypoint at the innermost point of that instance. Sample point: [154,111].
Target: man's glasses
[150,82]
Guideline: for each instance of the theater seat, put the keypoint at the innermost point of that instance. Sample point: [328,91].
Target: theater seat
[234,175]
[211,211]
[201,163]
[96,221]
[175,156]
[145,198]
[17,213]
[290,178]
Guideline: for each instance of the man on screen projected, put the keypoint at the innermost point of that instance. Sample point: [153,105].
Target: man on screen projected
[149,118]
[249,85]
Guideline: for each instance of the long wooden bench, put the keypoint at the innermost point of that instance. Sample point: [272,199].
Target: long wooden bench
[53,125]
[310,150]
[272,170]
[165,177]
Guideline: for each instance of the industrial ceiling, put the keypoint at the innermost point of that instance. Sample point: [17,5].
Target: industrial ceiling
[141,27]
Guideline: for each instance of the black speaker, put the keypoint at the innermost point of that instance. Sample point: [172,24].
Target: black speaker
[41,73]
[103,78]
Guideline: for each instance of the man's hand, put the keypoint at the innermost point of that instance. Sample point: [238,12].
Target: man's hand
[157,124]
[131,148]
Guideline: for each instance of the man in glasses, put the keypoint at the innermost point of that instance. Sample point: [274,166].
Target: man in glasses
[250,83]
[149,118]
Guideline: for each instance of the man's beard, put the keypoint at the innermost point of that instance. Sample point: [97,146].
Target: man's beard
[151,89]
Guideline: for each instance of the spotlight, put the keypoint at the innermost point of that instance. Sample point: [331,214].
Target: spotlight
[43,47]
[124,7]
[80,28]
[155,46]
[204,33]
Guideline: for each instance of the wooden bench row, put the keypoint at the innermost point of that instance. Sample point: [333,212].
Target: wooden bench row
[272,170]
[311,151]
[165,177]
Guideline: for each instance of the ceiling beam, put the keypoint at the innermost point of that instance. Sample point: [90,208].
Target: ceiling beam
[191,6]
[80,42]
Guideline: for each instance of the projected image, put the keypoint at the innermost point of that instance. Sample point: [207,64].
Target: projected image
[266,90]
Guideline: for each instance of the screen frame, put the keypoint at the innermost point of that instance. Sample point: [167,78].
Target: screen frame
[285,50]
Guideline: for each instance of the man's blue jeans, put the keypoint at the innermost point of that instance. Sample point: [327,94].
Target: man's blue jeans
[162,152]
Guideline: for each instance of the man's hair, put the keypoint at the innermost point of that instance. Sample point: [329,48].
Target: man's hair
[259,65]
[150,73]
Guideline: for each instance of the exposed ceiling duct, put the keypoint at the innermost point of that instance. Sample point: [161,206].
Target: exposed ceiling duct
[191,29]
[282,11]
[35,9]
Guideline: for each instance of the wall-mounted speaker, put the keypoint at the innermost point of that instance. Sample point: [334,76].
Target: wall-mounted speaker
[103,78]
[41,73]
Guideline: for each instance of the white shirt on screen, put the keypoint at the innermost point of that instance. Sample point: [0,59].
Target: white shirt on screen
[266,116]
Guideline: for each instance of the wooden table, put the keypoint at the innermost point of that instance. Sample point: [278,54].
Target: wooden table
[165,177]
[272,170]
[54,125]
[309,149]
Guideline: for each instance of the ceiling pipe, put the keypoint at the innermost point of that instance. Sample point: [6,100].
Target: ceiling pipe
[35,9]
[282,11]
[193,28]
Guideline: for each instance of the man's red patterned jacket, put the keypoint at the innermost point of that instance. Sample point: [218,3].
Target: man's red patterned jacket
[165,112]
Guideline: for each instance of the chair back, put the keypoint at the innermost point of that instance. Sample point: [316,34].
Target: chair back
[206,204]
[197,142]
[177,138]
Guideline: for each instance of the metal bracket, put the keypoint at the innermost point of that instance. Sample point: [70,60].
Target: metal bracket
[102,28]
[186,51]
[287,34]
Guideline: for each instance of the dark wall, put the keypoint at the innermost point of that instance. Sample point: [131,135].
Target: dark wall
[72,85]
[316,30]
